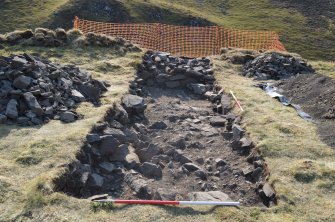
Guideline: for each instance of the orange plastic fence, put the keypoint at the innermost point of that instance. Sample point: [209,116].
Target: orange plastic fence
[184,40]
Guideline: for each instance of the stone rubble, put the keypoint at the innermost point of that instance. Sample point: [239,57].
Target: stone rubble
[133,154]
[275,66]
[59,37]
[34,91]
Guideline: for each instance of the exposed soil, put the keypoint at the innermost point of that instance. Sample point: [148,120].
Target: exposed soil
[173,135]
[188,118]
[316,95]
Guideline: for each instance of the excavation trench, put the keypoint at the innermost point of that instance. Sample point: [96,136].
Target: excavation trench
[173,137]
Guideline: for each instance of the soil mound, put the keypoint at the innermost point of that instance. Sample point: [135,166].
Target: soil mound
[316,95]
[275,66]
[34,90]
[172,138]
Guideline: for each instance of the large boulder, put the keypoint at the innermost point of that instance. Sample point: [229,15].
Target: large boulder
[133,104]
[209,196]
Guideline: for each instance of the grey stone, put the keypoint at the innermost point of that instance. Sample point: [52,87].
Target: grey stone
[108,145]
[172,84]
[3,118]
[268,191]
[159,158]
[133,103]
[140,128]
[90,92]
[158,125]
[179,156]
[197,88]
[200,174]
[121,114]
[132,160]
[11,109]
[238,132]
[49,110]
[147,153]
[33,103]
[209,196]
[95,180]
[151,170]
[257,174]
[36,121]
[164,194]
[77,96]
[116,133]
[226,103]
[139,186]
[162,77]
[116,124]
[220,162]
[120,153]
[218,121]
[209,132]
[22,120]
[245,143]
[93,137]
[30,114]
[178,142]
[17,62]
[22,82]
[247,171]
[177,77]
[191,167]
[68,117]
[107,167]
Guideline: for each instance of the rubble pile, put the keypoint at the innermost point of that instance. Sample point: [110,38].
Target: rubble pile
[60,37]
[275,66]
[34,91]
[162,70]
[170,143]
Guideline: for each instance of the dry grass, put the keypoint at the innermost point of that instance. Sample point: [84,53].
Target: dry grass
[31,157]
[323,67]
[302,168]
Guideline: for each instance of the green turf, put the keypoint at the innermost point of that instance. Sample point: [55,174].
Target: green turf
[291,24]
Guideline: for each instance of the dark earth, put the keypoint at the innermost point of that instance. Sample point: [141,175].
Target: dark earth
[173,137]
[316,95]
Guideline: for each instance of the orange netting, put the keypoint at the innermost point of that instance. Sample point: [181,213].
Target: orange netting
[184,40]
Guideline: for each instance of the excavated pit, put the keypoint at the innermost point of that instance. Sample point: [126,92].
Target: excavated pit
[173,137]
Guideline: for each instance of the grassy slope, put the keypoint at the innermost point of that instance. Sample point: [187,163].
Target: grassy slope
[30,157]
[18,14]
[297,35]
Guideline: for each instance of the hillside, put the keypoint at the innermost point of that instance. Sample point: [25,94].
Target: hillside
[305,27]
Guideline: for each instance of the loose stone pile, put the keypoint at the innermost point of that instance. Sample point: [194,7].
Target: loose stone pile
[165,142]
[59,37]
[33,90]
[275,66]
[161,70]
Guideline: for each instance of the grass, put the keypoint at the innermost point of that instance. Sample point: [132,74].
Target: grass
[18,14]
[31,157]
[296,34]
[302,167]
[292,26]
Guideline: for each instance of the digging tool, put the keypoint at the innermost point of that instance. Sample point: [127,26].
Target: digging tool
[237,102]
[167,202]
